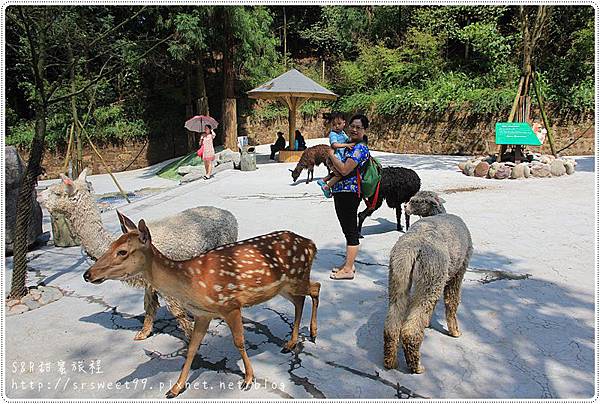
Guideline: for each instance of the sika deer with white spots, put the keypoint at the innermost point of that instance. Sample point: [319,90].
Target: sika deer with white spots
[218,283]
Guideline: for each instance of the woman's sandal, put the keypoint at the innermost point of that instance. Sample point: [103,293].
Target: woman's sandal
[340,275]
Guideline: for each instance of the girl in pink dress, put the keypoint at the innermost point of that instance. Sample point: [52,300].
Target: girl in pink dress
[208,154]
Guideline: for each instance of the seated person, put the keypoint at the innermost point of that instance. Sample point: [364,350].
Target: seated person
[279,145]
[299,141]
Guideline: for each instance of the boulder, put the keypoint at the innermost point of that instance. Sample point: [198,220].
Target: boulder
[569,166]
[540,170]
[482,169]
[469,169]
[557,168]
[519,171]
[14,172]
[502,172]
[493,168]
[226,156]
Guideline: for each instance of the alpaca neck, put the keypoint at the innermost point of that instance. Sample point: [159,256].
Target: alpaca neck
[86,223]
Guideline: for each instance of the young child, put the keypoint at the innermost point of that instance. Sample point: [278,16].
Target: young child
[338,141]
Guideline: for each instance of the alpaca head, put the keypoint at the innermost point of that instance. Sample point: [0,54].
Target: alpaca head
[64,196]
[425,203]
[296,172]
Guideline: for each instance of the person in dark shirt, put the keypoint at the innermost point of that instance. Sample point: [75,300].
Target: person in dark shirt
[279,145]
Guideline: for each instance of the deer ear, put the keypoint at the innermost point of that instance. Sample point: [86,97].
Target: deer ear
[68,183]
[144,232]
[83,175]
[126,224]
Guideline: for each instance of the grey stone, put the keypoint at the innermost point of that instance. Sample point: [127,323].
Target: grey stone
[32,304]
[224,166]
[184,170]
[469,169]
[36,294]
[49,294]
[493,168]
[569,167]
[226,156]
[14,172]
[518,171]
[18,309]
[540,170]
[557,168]
[193,176]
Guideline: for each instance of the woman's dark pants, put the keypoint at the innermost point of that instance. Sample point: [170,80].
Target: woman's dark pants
[346,209]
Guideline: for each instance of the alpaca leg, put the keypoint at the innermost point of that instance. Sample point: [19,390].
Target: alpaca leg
[298,301]
[315,288]
[451,300]
[391,336]
[361,218]
[150,307]
[309,171]
[407,218]
[399,217]
[419,314]
[234,321]
[180,314]
[200,327]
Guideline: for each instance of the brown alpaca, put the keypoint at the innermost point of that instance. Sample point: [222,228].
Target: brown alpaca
[432,257]
[311,157]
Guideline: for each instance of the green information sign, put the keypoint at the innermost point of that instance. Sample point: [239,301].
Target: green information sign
[516,133]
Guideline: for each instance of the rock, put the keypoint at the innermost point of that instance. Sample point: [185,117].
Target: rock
[461,165]
[493,168]
[193,176]
[547,159]
[540,170]
[14,172]
[226,156]
[18,309]
[482,169]
[32,304]
[224,166]
[502,172]
[184,170]
[518,171]
[12,302]
[557,168]
[469,169]
[49,294]
[569,167]
[36,294]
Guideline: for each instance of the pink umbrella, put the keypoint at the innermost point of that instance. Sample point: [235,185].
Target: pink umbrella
[197,123]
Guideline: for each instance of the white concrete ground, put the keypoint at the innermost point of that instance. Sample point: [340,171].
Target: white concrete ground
[521,338]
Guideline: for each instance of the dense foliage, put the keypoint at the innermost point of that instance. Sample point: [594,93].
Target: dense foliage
[385,60]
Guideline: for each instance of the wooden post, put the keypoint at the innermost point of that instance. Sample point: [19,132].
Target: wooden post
[538,94]
[292,122]
[68,156]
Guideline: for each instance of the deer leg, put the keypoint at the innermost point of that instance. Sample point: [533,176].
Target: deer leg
[150,307]
[315,288]
[200,327]
[298,301]
[234,321]
[180,314]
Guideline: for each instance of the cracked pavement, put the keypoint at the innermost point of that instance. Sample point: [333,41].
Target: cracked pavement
[527,311]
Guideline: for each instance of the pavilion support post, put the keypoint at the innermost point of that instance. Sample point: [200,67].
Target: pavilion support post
[293,105]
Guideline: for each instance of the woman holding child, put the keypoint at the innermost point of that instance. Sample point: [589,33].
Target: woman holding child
[345,191]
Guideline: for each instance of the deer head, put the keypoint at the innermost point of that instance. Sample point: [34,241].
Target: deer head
[129,255]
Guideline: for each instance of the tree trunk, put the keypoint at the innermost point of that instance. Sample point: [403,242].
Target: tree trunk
[202,100]
[229,102]
[25,204]
[189,107]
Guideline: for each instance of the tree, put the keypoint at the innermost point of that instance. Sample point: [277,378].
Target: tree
[39,33]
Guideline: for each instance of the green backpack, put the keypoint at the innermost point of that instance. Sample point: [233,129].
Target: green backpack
[368,178]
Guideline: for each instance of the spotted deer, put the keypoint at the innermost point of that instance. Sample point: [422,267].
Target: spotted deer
[219,282]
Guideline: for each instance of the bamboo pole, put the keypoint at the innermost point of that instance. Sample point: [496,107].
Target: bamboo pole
[104,164]
[538,94]
[516,101]
[68,156]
